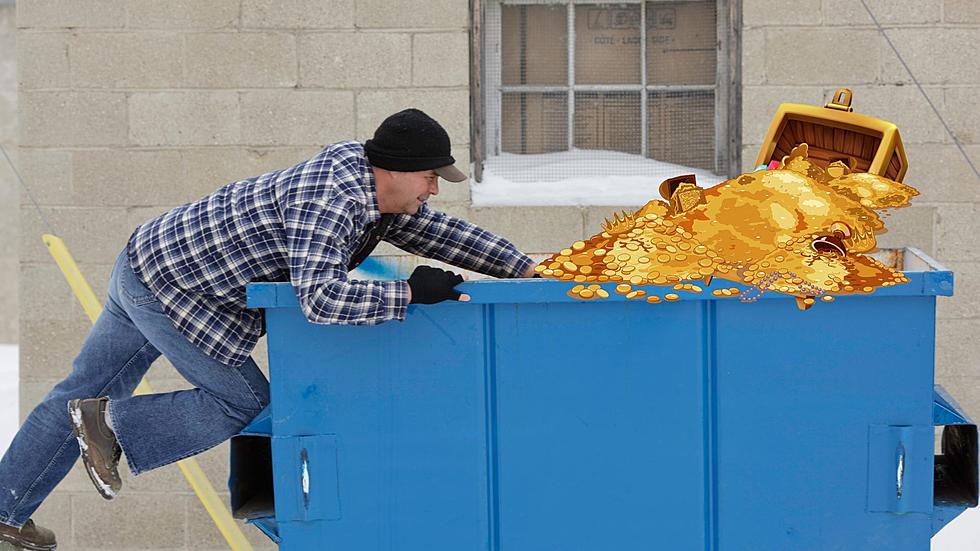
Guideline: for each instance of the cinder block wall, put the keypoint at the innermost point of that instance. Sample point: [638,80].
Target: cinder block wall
[805,49]
[131,107]
[9,215]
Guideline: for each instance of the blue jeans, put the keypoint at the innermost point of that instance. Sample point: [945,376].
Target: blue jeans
[153,430]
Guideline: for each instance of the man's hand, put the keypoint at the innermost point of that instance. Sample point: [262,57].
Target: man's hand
[428,285]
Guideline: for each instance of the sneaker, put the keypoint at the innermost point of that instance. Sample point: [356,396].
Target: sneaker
[29,536]
[100,450]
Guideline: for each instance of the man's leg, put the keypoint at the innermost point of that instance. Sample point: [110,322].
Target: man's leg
[158,429]
[111,362]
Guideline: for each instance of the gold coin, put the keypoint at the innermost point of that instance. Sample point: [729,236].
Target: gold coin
[608,258]
[622,257]
[704,262]
[548,272]
[554,265]
[578,288]
[696,289]
[680,257]
[540,268]
[653,299]
[636,280]
[678,287]
[578,245]
[684,246]
[663,258]
[572,294]
[562,258]
[651,216]
[643,260]
[868,289]
[671,297]
[593,287]
[705,271]
[569,266]
[602,293]
[700,249]
[586,293]
[716,292]
[579,278]
[566,277]
[671,249]
[585,269]
[603,278]
[599,252]
[566,252]
[613,265]
[827,298]
[623,289]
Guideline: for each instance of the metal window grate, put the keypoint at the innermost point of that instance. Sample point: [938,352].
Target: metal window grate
[636,77]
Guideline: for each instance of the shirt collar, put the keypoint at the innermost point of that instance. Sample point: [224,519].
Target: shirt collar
[373,213]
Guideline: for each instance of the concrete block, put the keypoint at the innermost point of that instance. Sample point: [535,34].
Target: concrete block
[128,178]
[941,174]
[240,60]
[93,235]
[441,59]
[298,14]
[71,14]
[375,14]
[935,55]
[759,104]
[184,118]
[139,215]
[823,50]
[32,248]
[355,60]
[47,173]
[125,60]
[957,226]
[965,391]
[965,303]
[904,106]
[760,13]
[49,346]
[182,14]
[749,154]
[886,12]
[9,131]
[450,107]
[44,295]
[961,11]
[9,270]
[961,112]
[297,117]
[203,534]
[753,56]
[48,52]
[957,348]
[31,393]
[52,119]
[909,227]
[523,226]
[137,521]
[55,514]
[205,170]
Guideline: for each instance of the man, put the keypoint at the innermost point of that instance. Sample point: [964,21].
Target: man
[178,289]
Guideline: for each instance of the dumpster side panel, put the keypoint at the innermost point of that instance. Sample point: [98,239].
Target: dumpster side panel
[599,424]
[403,403]
[796,415]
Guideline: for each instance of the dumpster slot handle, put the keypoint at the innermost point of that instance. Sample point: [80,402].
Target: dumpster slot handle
[900,475]
[304,458]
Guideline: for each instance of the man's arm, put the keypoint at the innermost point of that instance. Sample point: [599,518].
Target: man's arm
[317,233]
[433,234]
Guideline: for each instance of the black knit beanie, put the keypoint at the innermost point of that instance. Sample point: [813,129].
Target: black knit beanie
[411,141]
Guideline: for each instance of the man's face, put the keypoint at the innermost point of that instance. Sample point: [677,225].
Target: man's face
[408,190]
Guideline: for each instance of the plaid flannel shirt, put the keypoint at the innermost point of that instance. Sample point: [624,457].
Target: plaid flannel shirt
[300,224]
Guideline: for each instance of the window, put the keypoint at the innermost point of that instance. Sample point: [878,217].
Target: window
[621,94]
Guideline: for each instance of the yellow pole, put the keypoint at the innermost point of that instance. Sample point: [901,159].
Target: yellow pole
[192,471]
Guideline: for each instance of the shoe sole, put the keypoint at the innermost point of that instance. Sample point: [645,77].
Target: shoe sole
[104,489]
[24,545]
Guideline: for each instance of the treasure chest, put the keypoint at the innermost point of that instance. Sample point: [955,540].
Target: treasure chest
[835,133]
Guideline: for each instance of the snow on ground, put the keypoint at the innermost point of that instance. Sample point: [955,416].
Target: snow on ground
[576,178]
[8,394]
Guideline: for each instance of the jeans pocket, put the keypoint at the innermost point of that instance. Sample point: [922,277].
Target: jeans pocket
[135,291]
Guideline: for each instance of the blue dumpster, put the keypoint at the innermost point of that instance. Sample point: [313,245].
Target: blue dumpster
[526,420]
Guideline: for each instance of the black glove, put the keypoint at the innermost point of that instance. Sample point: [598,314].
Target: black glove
[431,285]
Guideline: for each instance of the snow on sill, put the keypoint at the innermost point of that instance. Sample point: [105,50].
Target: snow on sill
[576,178]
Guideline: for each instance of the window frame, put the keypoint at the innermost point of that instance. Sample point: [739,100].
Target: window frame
[486,132]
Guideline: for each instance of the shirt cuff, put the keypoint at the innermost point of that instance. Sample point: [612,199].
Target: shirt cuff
[524,262]
[396,299]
